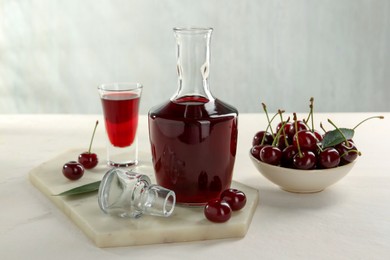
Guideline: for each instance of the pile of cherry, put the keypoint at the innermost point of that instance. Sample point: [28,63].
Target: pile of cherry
[295,144]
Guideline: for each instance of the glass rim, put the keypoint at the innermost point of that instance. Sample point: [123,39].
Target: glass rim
[120,86]
[192,30]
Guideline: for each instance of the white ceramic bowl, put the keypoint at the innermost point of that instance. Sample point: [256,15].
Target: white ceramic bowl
[301,181]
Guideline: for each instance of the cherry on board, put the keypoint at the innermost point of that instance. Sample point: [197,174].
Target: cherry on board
[217,210]
[87,159]
[73,170]
[235,198]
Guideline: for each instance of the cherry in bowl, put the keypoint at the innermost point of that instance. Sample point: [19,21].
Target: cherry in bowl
[301,181]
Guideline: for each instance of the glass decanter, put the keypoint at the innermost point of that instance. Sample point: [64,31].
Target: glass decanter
[193,136]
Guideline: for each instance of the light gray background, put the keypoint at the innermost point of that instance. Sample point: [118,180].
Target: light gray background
[53,54]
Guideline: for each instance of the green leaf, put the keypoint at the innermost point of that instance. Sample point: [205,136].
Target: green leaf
[334,137]
[94,186]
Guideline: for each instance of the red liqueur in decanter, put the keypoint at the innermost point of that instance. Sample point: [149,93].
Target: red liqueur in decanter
[193,136]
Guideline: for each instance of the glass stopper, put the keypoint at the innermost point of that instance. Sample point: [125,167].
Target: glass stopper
[130,194]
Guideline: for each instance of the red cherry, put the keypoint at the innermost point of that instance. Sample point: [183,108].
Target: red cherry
[348,152]
[286,126]
[88,159]
[304,161]
[255,151]
[258,138]
[218,211]
[328,158]
[307,140]
[73,170]
[271,155]
[318,135]
[301,126]
[235,198]
[287,156]
[283,141]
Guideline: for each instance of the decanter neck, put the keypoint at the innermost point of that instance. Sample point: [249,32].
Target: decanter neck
[193,64]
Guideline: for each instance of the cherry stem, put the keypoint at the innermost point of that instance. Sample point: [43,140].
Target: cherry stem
[266,113]
[268,126]
[351,151]
[338,129]
[296,133]
[284,131]
[322,127]
[312,113]
[307,119]
[295,122]
[278,134]
[93,135]
[320,147]
[380,117]
[305,122]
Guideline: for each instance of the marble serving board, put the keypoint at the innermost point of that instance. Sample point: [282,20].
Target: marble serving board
[185,224]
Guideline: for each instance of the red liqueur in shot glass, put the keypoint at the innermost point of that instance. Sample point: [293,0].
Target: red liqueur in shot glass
[120,103]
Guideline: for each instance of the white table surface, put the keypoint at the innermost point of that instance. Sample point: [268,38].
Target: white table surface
[350,220]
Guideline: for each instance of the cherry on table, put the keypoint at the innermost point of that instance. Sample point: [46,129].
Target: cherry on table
[87,159]
[73,170]
[217,210]
[235,198]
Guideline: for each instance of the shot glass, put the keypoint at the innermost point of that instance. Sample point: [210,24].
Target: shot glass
[120,102]
[129,194]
